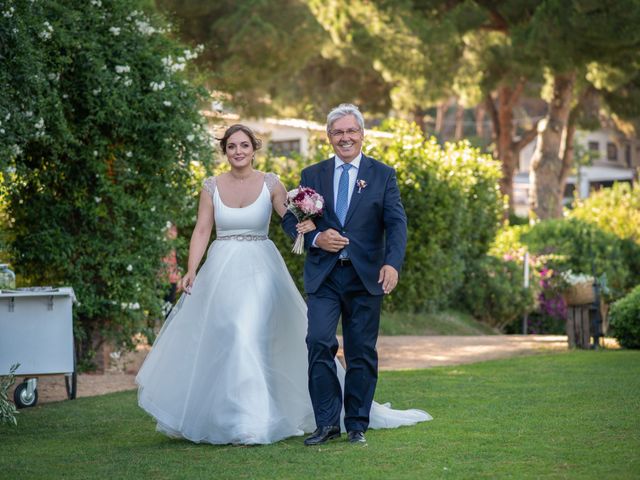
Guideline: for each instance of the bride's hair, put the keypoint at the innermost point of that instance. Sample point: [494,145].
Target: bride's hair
[255,141]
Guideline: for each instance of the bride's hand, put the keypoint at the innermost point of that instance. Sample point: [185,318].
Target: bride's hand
[187,282]
[306,226]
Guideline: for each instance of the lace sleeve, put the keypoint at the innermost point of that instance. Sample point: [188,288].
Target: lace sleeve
[209,185]
[271,180]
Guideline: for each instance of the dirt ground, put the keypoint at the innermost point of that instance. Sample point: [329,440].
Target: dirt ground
[395,353]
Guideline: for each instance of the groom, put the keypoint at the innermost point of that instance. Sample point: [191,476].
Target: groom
[353,259]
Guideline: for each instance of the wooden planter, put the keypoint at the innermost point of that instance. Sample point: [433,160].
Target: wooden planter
[580,294]
[578,327]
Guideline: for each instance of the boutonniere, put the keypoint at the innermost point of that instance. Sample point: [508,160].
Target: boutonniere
[361,184]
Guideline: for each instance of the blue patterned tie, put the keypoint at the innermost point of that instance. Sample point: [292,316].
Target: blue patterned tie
[342,201]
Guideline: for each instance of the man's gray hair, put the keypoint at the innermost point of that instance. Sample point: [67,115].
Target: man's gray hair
[343,110]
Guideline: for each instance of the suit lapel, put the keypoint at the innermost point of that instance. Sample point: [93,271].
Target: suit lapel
[364,174]
[326,183]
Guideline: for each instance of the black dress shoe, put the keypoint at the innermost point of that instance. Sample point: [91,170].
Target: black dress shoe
[356,436]
[322,435]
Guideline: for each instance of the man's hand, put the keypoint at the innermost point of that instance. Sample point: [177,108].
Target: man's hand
[331,241]
[388,278]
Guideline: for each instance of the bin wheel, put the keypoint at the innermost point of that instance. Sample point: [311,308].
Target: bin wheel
[71,382]
[22,398]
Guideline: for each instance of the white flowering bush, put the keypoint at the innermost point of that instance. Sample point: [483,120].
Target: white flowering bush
[99,136]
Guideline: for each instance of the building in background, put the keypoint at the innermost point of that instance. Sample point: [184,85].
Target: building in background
[609,156]
[281,136]
[612,156]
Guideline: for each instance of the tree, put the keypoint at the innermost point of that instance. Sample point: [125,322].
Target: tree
[275,58]
[585,47]
[431,51]
[411,55]
[499,51]
[101,131]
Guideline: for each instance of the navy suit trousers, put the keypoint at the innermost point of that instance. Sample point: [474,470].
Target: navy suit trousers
[343,294]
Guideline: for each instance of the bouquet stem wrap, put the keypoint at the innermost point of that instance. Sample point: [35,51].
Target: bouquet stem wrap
[298,245]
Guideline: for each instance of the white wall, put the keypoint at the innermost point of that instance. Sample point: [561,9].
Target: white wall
[582,139]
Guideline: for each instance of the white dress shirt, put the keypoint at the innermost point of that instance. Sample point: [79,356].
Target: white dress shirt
[337,171]
[353,175]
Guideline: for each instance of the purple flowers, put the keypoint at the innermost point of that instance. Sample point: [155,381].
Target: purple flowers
[550,299]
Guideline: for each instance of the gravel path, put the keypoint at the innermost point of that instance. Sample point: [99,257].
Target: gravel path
[395,353]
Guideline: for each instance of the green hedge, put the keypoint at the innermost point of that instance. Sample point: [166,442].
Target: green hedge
[494,292]
[625,319]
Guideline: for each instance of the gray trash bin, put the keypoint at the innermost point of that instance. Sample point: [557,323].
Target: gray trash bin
[36,331]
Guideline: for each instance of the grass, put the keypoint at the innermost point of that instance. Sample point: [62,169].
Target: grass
[570,415]
[438,323]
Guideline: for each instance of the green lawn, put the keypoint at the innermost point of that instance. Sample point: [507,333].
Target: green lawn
[448,322]
[570,415]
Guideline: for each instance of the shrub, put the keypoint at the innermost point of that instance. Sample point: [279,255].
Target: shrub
[101,129]
[508,243]
[625,319]
[4,220]
[494,292]
[558,248]
[8,410]
[615,210]
[584,248]
[453,207]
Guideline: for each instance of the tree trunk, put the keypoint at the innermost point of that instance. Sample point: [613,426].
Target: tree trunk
[587,105]
[459,133]
[418,118]
[440,115]
[545,199]
[507,147]
[567,155]
[503,130]
[480,112]
[508,160]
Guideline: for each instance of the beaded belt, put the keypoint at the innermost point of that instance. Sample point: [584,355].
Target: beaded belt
[248,238]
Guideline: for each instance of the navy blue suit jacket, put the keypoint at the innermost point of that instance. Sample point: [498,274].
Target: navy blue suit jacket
[376,224]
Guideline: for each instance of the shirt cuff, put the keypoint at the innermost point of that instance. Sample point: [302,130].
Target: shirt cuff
[313,244]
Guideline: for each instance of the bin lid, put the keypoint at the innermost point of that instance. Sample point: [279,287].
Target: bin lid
[38,292]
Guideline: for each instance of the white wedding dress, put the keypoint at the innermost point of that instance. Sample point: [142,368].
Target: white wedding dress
[230,363]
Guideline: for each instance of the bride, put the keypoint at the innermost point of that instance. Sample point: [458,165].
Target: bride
[230,363]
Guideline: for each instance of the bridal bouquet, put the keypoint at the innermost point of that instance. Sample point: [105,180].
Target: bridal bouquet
[304,203]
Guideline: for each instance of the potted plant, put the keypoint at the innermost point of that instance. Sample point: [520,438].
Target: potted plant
[579,289]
